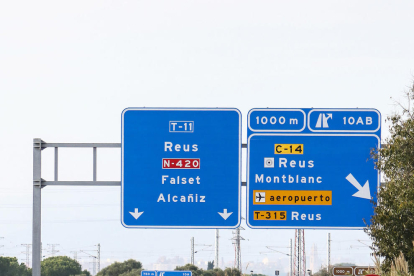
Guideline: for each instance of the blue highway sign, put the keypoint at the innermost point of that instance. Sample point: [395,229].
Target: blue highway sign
[165,273]
[174,273]
[321,177]
[181,168]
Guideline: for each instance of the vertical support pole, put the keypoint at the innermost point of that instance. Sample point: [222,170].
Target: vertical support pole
[299,252]
[216,260]
[37,207]
[291,259]
[56,164]
[94,165]
[99,257]
[94,265]
[328,261]
[192,251]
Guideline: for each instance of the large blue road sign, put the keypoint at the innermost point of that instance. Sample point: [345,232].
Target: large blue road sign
[311,168]
[181,168]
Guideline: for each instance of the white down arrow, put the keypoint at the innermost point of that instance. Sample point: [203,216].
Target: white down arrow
[136,214]
[225,215]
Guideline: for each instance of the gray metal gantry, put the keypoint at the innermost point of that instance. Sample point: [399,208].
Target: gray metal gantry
[39,183]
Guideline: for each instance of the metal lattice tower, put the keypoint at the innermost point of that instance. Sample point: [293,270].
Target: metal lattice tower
[329,251]
[192,251]
[236,241]
[53,251]
[27,252]
[216,259]
[299,256]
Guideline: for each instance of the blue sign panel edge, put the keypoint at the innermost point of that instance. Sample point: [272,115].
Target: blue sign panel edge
[122,168]
[276,109]
[346,109]
[297,134]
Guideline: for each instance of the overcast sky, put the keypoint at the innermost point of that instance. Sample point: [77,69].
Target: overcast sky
[69,68]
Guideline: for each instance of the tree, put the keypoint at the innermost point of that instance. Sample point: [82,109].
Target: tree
[210,265]
[217,272]
[392,226]
[232,272]
[60,266]
[10,267]
[190,267]
[118,269]
[134,272]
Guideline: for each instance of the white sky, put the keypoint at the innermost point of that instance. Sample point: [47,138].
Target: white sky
[69,68]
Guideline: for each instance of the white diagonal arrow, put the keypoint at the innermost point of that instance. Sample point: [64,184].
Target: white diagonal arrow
[136,214]
[363,192]
[225,215]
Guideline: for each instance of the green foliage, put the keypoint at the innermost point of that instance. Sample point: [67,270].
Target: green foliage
[232,272]
[10,267]
[210,265]
[118,269]
[323,271]
[60,266]
[213,272]
[216,272]
[84,273]
[398,268]
[133,272]
[392,226]
[189,267]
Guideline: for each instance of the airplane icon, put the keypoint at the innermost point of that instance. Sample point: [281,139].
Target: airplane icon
[260,197]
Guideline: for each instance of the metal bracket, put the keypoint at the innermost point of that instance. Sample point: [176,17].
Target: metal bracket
[38,183]
[38,143]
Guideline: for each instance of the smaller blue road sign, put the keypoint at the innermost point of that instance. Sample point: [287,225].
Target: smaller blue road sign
[320,177]
[181,168]
[165,273]
[174,273]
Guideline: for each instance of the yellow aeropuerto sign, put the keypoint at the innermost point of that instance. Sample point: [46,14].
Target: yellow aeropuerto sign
[278,197]
[288,148]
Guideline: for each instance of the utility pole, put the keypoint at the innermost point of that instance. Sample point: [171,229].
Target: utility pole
[192,251]
[216,260]
[53,250]
[27,252]
[1,245]
[291,259]
[329,252]
[99,257]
